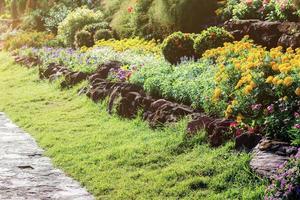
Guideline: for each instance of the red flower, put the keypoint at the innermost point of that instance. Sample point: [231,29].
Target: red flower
[238,132]
[233,124]
[130,9]
[249,2]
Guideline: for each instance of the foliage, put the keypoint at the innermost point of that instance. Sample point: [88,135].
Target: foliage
[189,82]
[177,46]
[286,183]
[210,38]
[159,18]
[28,39]
[88,60]
[273,10]
[134,44]
[257,87]
[75,21]
[92,28]
[55,16]
[34,20]
[83,38]
[103,34]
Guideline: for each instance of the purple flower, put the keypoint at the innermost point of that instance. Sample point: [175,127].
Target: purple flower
[270,108]
[256,107]
[297,126]
[296,115]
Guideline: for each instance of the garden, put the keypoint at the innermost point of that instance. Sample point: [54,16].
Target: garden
[159,99]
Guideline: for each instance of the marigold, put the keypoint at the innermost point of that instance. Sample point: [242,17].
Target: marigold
[269,79]
[288,81]
[239,118]
[297,91]
[248,89]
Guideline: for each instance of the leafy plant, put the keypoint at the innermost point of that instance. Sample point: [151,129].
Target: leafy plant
[92,28]
[83,38]
[286,183]
[75,21]
[28,39]
[177,46]
[103,34]
[55,16]
[210,38]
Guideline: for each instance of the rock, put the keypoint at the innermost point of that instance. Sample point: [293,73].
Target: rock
[216,129]
[268,155]
[292,41]
[247,141]
[265,33]
[75,77]
[104,69]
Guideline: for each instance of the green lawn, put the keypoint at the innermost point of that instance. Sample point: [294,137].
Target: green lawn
[116,158]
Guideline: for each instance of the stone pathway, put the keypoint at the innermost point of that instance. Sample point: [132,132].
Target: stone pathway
[25,174]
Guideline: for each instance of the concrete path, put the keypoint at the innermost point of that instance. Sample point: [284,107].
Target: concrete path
[26,174]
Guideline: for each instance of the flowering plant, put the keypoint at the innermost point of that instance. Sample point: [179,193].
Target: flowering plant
[273,10]
[259,88]
[286,184]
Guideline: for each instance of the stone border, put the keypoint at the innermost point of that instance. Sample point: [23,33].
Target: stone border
[26,174]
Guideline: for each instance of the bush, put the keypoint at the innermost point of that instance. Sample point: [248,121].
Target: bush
[34,20]
[272,10]
[75,21]
[93,28]
[55,16]
[177,46]
[159,18]
[83,38]
[28,39]
[258,88]
[211,38]
[137,45]
[104,34]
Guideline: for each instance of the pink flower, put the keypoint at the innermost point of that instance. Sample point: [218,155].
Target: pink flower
[238,132]
[233,124]
[249,2]
[270,108]
[256,107]
[130,9]
[296,115]
[297,126]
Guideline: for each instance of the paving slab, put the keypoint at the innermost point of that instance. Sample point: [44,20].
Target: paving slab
[25,174]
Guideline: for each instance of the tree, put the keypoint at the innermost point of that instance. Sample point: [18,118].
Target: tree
[2,6]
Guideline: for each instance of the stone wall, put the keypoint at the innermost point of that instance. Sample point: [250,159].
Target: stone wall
[268,34]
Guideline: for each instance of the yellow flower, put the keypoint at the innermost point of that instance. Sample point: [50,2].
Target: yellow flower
[269,79]
[229,109]
[275,80]
[253,84]
[279,82]
[297,91]
[288,81]
[217,93]
[239,118]
[248,89]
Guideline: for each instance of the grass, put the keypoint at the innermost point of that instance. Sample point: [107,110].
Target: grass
[116,158]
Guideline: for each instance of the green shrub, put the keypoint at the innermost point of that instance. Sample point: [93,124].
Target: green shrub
[83,38]
[210,38]
[159,18]
[104,34]
[177,46]
[55,16]
[34,20]
[28,39]
[75,21]
[93,28]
